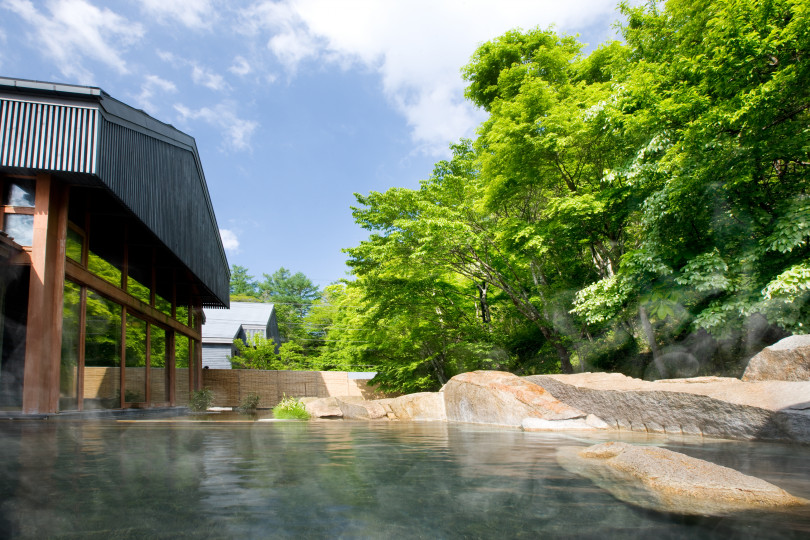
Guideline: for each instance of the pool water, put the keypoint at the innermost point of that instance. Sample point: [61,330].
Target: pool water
[185,479]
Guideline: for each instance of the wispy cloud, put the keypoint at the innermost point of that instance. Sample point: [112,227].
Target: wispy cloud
[200,74]
[238,131]
[240,66]
[416,46]
[206,77]
[195,14]
[289,37]
[229,240]
[73,31]
[151,86]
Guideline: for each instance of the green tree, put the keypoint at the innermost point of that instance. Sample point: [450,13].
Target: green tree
[242,283]
[293,295]
[722,89]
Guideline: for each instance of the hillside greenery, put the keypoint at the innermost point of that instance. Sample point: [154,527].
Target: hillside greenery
[640,208]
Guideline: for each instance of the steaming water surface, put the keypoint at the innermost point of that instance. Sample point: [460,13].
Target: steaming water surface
[107,479]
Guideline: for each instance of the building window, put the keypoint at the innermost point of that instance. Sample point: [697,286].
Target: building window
[71,348]
[102,360]
[20,227]
[19,192]
[19,195]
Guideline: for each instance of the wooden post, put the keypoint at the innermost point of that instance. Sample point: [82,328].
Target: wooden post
[43,340]
[198,312]
[82,337]
[170,358]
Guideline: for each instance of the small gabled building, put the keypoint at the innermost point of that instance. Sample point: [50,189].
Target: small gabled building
[109,252]
[244,320]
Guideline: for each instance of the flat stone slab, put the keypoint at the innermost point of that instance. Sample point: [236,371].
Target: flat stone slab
[710,406]
[666,481]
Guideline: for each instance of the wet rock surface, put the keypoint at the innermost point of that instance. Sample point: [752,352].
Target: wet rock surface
[666,481]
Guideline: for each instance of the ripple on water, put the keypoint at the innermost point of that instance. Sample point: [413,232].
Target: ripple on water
[345,479]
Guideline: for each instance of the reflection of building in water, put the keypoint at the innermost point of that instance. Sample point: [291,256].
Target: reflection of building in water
[109,249]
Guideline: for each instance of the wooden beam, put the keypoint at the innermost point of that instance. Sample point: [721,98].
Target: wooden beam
[75,272]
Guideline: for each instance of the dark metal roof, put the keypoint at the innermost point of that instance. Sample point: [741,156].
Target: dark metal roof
[151,167]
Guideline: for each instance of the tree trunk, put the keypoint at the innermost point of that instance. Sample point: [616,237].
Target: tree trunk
[562,353]
[650,335]
[482,297]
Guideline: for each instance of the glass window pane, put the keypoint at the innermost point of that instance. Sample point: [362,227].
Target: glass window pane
[158,374]
[102,357]
[181,357]
[182,314]
[20,227]
[103,269]
[135,374]
[73,247]
[139,290]
[69,366]
[163,305]
[19,193]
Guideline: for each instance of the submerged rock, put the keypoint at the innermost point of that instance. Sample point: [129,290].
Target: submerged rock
[666,481]
[785,360]
[497,397]
[539,424]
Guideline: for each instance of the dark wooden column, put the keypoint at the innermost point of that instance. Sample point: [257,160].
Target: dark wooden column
[44,333]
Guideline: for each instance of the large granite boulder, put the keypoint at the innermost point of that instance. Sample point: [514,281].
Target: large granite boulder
[497,397]
[422,406]
[710,406]
[785,360]
[667,481]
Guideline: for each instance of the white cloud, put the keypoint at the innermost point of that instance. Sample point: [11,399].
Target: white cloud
[205,77]
[75,30]
[200,74]
[238,131]
[167,56]
[416,46]
[229,240]
[240,66]
[153,84]
[196,14]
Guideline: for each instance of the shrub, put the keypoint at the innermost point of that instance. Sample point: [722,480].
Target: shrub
[289,408]
[200,400]
[250,402]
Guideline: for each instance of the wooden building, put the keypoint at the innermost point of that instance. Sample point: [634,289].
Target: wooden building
[244,320]
[108,253]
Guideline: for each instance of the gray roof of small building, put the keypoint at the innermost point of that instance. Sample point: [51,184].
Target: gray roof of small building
[222,325]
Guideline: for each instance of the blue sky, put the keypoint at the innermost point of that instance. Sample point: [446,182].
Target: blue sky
[295,104]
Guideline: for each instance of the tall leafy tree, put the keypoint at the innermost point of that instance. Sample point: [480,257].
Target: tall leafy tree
[242,283]
[722,89]
[293,295]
